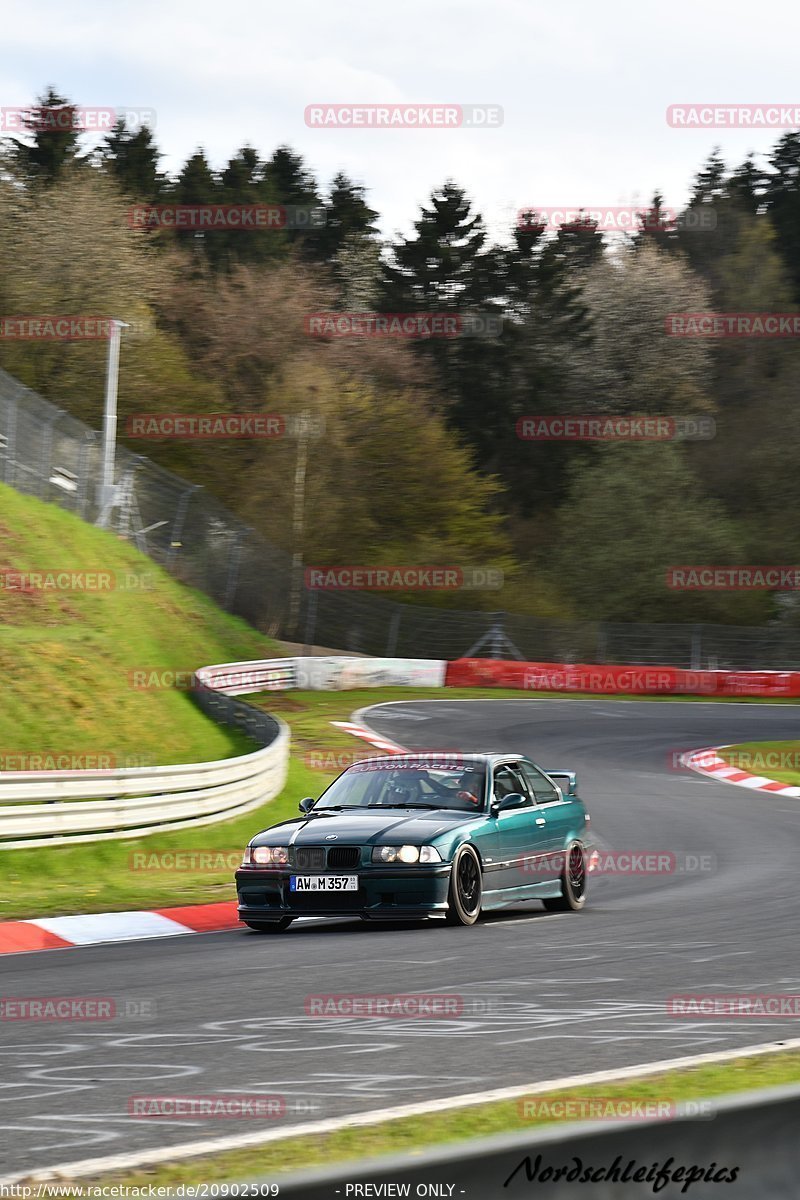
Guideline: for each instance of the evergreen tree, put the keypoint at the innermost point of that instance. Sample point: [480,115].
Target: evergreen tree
[132,159]
[347,217]
[53,129]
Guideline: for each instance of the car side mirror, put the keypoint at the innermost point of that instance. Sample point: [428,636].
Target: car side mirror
[307,804]
[514,800]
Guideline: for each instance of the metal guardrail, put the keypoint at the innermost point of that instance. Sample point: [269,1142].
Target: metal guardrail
[57,808]
[752,1132]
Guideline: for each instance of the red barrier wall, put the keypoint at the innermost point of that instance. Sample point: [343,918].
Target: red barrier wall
[599,678]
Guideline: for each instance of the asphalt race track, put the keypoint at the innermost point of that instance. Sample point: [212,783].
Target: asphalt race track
[545,994]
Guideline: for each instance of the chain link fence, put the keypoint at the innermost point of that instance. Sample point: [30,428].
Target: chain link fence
[45,452]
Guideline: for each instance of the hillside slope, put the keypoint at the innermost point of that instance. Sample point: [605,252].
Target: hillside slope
[71,656]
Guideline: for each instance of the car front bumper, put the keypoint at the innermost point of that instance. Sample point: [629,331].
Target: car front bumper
[382,892]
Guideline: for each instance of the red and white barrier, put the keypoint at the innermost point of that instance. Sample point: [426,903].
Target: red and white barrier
[630,680]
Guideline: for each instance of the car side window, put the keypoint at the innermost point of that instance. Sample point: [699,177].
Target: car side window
[543,791]
[508,779]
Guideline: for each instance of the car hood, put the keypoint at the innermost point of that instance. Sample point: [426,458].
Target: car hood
[395,826]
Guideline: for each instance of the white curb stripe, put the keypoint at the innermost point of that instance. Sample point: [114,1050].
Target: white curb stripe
[90,928]
[121,1162]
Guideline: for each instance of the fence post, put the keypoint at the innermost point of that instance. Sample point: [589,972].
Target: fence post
[233,572]
[602,642]
[177,527]
[697,647]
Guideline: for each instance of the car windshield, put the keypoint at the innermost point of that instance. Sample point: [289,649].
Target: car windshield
[381,784]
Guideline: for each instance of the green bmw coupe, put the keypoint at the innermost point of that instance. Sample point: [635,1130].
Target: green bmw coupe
[416,834]
[413,835]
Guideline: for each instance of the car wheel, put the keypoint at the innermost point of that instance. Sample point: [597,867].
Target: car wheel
[466,888]
[270,926]
[573,882]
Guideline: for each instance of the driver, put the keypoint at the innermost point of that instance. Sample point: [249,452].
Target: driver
[469,786]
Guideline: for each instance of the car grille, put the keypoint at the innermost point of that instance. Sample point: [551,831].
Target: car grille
[336,858]
[309,858]
[342,857]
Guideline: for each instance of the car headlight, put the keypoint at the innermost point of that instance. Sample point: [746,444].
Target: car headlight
[265,856]
[406,854]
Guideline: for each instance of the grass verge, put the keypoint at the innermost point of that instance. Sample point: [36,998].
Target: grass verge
[775,760]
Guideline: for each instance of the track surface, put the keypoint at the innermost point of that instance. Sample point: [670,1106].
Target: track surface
[549,994]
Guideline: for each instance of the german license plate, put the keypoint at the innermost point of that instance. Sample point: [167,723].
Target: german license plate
[324,883]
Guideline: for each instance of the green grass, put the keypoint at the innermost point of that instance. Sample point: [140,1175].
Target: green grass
[66,656]
[414,1134]
[775,760]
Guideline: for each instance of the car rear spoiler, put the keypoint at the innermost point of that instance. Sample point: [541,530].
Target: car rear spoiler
[566,780]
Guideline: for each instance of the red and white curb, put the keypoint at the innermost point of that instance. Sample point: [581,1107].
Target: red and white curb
[709,763]
[369,735]
[60,933]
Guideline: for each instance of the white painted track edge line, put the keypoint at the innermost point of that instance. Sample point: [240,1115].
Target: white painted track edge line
[117,1162]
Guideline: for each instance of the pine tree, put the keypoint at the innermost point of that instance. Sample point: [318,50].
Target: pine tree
[132,158]
[51,148]
[347,217]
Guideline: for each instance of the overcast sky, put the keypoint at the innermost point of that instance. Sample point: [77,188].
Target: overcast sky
[584,86]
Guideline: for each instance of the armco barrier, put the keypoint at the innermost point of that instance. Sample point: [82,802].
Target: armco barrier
[753,1134]
[599,678]
[49,808]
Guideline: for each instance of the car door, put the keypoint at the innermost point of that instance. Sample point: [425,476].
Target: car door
[517,830]
[557,816]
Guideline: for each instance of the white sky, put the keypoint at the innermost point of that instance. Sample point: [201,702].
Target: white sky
[584,86]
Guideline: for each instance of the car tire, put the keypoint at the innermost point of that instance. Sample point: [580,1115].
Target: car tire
[278,926]
[573,882]
[466,888]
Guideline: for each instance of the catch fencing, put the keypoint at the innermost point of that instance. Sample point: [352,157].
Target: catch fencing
[45,452]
